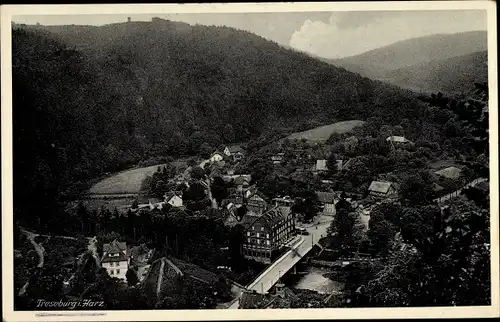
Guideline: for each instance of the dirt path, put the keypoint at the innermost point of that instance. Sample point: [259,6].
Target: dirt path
[39,250]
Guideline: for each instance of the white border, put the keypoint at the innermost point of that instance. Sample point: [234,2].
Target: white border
[293,314]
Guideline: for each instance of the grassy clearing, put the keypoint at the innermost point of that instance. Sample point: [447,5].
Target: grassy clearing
[322,133]
[128,181]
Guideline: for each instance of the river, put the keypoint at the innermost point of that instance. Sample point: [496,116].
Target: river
[315,281]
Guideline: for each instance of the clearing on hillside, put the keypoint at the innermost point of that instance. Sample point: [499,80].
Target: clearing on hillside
[126,182]
[322,133]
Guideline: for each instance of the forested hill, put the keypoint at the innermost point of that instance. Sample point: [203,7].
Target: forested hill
[94,99]
[450,75]
[415,51]
[443,62]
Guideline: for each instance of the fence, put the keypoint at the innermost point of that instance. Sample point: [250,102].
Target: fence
[459,191]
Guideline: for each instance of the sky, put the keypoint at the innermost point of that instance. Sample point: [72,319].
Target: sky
[324,34]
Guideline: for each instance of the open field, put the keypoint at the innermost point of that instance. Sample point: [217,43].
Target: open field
[126,182]
[322,133]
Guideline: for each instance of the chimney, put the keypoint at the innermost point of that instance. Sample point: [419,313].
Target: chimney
[280,289]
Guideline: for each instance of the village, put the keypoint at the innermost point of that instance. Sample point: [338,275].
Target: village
[278,233]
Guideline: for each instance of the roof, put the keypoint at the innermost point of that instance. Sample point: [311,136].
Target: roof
[169,195]
[235,148]
[242,179]
[194,271]
[399,139]
[326,197]
[249,218]
[380,186]
[217,152]
[113,248]
[270,218]
[321,165]
[450,172]
[253,300]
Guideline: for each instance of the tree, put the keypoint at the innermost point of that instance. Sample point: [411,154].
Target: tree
[307,204]
[131,276]
[344,231]
[416,189]
[219,189]
[197,173]
[228,133]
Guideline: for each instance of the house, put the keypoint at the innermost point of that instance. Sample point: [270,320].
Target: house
[216,157]
[235,151]
[115,259]
[255,200]
[284,201]
[175,272]
[382,189]
[174,198]
[397,141]
[241,183]
[328,200]
[452,173]
[267,233]
[231,177]
[277,158]
[320,166]
[281,298]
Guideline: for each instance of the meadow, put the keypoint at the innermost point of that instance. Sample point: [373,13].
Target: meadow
[322,133]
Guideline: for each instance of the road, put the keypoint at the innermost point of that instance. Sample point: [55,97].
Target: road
[278,268]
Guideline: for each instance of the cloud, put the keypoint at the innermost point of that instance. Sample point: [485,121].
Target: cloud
[351,33]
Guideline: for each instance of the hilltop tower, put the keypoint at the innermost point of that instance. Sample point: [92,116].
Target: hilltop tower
[129,19]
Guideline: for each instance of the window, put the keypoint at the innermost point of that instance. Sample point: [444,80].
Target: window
[261,228]
[253,227]
[249,240]
[267,235]
[248,233]
[117,271]
[268,242]
[258,235]
[258,241]
[111,272]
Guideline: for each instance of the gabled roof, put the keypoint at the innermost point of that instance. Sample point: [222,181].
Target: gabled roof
[398,139]
[254,300]
[194,271]
[235,148]
[216,152]
[270,218]
[380,186]
[326,197]
[169,195]
[114,252]
[450,172]
[242,179]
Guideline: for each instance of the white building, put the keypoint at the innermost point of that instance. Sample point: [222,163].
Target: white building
[174,199]
[115,259]
[216,157]
[328,200]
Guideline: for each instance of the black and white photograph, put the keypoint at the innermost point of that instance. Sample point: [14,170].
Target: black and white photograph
[260,159]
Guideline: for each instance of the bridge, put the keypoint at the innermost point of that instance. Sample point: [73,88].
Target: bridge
[299,248]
